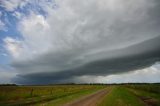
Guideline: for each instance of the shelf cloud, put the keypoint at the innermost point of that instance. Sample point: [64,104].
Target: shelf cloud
[73,38]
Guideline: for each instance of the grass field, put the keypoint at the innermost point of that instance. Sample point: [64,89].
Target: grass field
[133,95]
[150,94]
[119,96]
[57,95]
[25,95]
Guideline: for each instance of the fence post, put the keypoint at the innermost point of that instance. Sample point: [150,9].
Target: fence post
[31,92]
[51,92]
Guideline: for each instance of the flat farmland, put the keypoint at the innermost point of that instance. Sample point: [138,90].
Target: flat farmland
[81,95]
[37,95]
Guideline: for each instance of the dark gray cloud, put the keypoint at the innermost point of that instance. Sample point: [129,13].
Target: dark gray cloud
[85,38]
[134,57]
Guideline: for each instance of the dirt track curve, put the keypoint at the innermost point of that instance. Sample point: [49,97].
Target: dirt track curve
[90,100]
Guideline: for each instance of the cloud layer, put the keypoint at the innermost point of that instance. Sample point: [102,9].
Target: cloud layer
[78,38]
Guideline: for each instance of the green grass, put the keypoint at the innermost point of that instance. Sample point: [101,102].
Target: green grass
[25,95]
[154,88]
[67,99]
[145,94]
[56,95]
[120,96]
[150,91]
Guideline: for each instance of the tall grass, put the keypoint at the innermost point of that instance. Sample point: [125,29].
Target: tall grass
[22,92]
[154,88]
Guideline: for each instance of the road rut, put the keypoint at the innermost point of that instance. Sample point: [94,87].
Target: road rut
[90,100]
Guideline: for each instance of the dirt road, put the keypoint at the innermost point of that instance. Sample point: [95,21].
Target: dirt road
[90,100]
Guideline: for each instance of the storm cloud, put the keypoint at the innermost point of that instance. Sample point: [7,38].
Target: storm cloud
[131,58]
[85,38]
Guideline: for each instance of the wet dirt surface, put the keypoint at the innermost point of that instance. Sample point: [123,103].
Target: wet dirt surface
[149,101]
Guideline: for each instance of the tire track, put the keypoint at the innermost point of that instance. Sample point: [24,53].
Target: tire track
[90,100]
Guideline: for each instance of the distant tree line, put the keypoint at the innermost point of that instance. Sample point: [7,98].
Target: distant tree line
[84,84]
[8,85]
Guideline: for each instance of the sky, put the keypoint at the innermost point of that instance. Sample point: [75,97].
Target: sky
[79,41]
